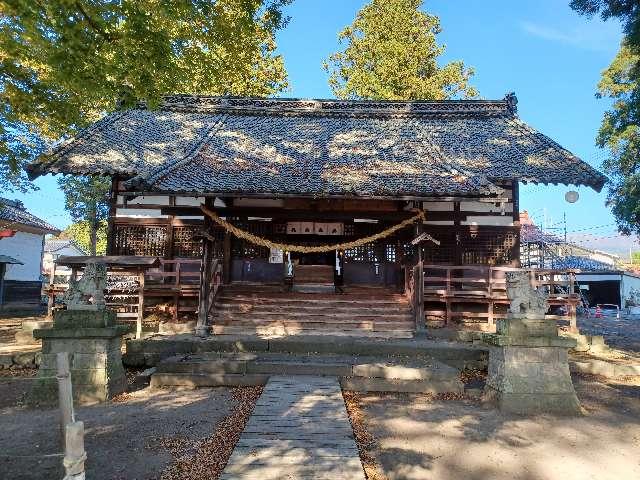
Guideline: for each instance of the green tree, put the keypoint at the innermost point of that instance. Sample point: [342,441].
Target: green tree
[64,63]
[80,232]
[392,53]
[620,129]
[628,11]
[87,200]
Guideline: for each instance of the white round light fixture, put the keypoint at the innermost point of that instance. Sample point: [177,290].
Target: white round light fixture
[571,196]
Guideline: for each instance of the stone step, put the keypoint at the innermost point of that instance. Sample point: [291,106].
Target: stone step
[195,380]
[318,331]
[401,368]
[148,352]
[366,373]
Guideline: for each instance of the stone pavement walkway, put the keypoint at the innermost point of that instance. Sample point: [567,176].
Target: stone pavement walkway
[299,429]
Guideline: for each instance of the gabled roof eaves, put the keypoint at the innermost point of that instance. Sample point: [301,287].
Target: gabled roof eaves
[13,216]
[195,144]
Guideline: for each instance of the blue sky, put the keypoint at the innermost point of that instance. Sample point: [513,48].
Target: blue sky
[542,50]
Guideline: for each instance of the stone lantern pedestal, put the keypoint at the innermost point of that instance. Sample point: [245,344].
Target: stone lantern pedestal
[528,364]
[93,341]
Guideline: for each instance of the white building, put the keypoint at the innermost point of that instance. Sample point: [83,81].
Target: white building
[22,237]
[54,248]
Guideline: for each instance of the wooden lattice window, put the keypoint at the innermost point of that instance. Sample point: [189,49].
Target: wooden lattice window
[185,242]
[445,253]
[148,240]
[349,229]
[243,249]
[218,245]
[488,247]
[390,253]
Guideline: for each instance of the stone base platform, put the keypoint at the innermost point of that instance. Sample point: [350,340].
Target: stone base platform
[359,373]
[93,342]
[149,352]
[530,375]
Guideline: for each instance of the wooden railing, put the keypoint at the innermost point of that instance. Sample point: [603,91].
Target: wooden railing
[178,272]
[482,288]
[177,278]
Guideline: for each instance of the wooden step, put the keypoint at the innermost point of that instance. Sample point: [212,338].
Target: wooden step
[282,330]
[366,325]
[245,307]
[316,299]
[315,316]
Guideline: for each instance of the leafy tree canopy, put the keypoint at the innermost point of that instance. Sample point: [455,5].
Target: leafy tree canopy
[620,128]
[80,232]
[64,63]
[628,11]
[391,53]
[87,200]
[620,134]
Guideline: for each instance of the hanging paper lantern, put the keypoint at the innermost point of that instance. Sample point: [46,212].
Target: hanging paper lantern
[571,196]
[7,233]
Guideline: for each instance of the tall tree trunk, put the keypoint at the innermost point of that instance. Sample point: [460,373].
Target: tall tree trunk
[93,236]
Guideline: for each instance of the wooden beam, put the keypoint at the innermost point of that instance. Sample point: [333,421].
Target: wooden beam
[408,198]
[159,221]
[283,214]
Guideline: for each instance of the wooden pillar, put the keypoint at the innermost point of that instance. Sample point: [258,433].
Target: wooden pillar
[168,254]
[3,268]
[51,295]
[490,279]
[113,200]
[457,251]
[419,285]
[226,258]
[203,296]
[515,193]
[140,314]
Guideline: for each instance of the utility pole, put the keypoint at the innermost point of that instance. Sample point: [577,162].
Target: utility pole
[564,217]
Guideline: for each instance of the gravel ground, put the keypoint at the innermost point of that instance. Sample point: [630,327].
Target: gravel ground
[419,437]
[131,439]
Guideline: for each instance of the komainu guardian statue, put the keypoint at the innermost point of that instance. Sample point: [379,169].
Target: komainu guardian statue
[88,292]
[524,299]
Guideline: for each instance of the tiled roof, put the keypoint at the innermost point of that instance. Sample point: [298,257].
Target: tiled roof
[319,147]
[580,263]
[55,244]
[13,215]
[11,260]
